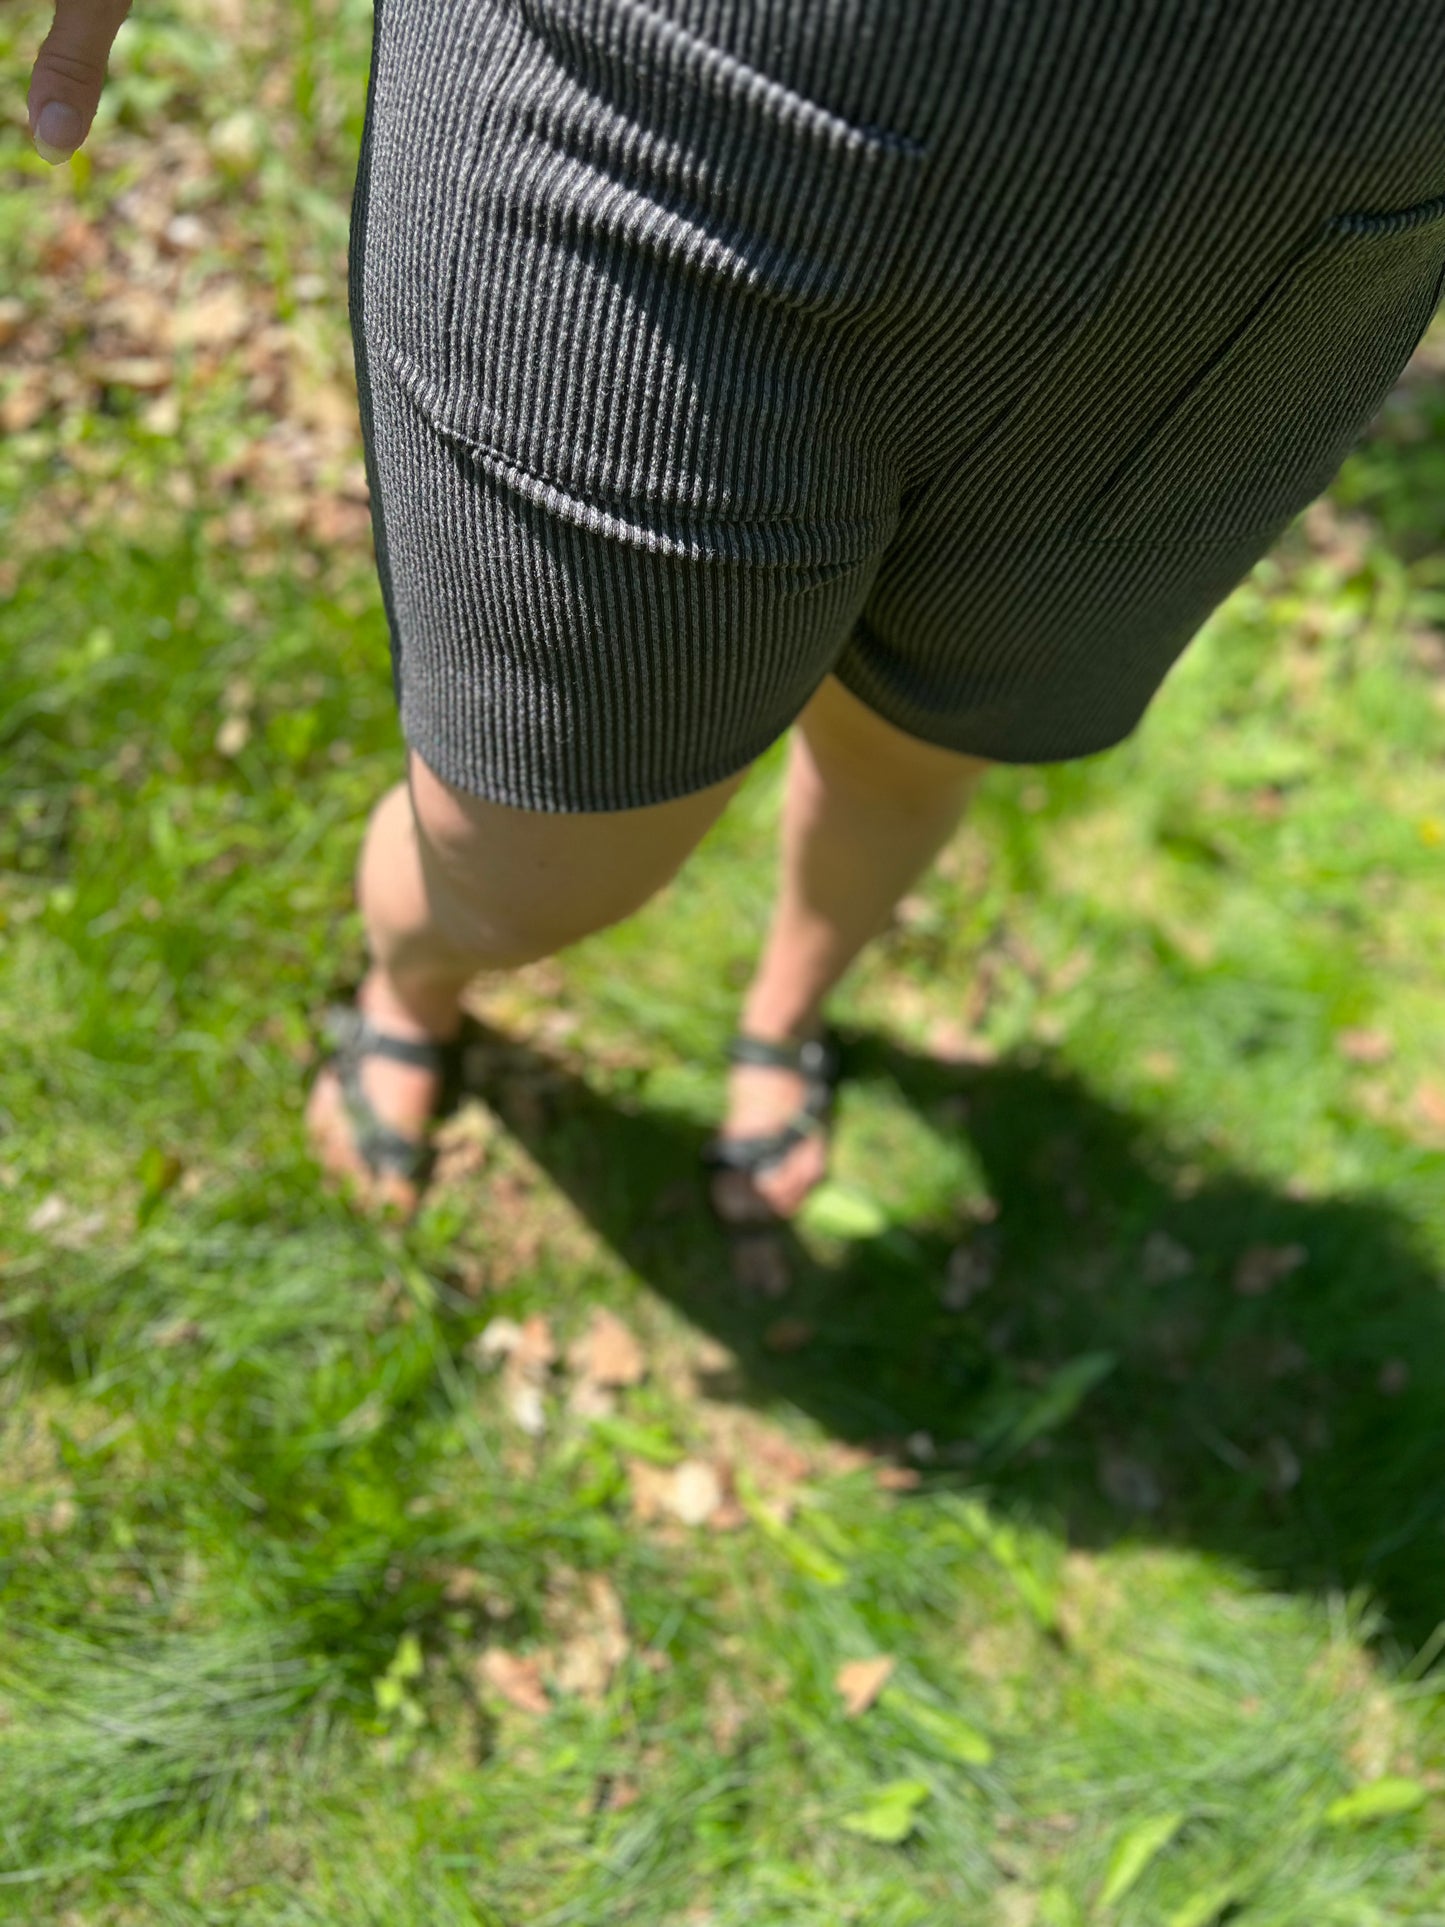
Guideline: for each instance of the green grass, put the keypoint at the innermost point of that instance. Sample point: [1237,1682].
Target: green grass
[1169,1584]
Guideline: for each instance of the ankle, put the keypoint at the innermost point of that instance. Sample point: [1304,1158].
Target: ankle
[780,1020]
[410,1007]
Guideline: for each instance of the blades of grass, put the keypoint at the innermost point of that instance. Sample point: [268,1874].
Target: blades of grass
[949,1732]
[1205,1907]
[1135,1849]
[1383,1799]
[891,1815]
[808,1559]
[1056,1403]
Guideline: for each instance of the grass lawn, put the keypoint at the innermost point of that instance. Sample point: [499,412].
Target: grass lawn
[358,1575]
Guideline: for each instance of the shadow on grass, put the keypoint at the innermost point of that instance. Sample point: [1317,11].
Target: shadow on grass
[1294,1425]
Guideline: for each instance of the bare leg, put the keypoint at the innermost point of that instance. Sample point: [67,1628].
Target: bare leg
[451,885]
[866,810]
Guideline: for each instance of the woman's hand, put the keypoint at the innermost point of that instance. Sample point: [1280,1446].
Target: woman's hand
[69,74]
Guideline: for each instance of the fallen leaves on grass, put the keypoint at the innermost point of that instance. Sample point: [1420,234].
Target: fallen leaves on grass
[585,1614]
[1261,1267]
[607,1354]
[897,1478]
[1365,1046]
[1428,1105]
[694,1492]
[789,1335]
[950,1042]
[515,1678]
[860,1681]
[1163,1259]
[969,1271]
[760,1264]
[1129,1483]
[466,1142]
[528,1352]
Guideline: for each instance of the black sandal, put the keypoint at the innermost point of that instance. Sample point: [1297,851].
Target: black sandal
[820,1062]
[385,1151]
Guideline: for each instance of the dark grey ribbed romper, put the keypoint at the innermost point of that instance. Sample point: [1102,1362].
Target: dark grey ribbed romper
[970,349]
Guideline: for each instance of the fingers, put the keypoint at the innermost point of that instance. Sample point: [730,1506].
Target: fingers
[69,74]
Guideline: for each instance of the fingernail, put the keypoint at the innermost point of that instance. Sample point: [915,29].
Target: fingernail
[58,132]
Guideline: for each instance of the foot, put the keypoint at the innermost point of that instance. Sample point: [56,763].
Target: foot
[763,1098]
[404,1097]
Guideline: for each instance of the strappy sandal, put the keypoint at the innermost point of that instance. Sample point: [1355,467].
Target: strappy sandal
[384,1151]
[819,1060]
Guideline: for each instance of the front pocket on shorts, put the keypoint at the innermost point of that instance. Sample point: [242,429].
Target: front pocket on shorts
[1263,427]
[630,262]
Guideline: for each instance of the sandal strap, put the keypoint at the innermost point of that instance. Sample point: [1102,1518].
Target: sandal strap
[755,1153]
[814,1056]
[383,1148]
[818,1060]
[353,1031]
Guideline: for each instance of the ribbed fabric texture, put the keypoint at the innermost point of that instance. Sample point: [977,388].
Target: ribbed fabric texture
[971,350]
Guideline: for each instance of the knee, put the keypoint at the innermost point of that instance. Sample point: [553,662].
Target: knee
[505,887]
[500,912]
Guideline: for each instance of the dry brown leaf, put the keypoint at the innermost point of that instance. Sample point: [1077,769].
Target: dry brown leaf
[522,1396]
[969,1271]
[326,405]
[952,1043]
[588,1400]
[1163,1259]
[759,1264]
[1429,1105]
[586,1610]
[214,319]
[1129,1483]
[147,374]
[25,403]
[233,735]
[515,1678]
[693,1492]
[730,1516]
[465,1586]
[650,1487]
[607,1353]
[696,1492]
[51,1211]
[860,1682]
[177,1331]
[498,1338]
[1261,1267]
[725,1714]
[536,1348]
[897,1478]
[773,1456]
[789,1335]
[1365,1046]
